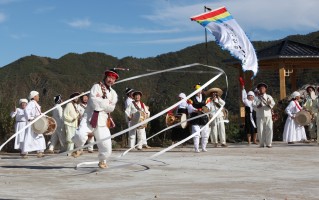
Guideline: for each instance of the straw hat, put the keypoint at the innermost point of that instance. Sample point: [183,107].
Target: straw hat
[215,90]
[262,84]
[137,92]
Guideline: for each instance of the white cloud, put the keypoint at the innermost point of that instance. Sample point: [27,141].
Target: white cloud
[173,40]
[118,29]
[270,15]
[2,17]
[2,2]
[18,36]
[80,23]
[276,15]
[45,9]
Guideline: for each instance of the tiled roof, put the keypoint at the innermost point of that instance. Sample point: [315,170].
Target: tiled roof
[288,49]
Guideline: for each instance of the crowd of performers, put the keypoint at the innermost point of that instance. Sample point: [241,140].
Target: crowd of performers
[88,118]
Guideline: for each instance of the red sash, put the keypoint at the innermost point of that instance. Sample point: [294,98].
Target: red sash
[138,108]
[95,115]
[298,106]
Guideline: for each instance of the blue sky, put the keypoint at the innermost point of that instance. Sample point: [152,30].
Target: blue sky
[138,28]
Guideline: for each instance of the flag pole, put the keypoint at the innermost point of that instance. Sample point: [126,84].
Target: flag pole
[206,9]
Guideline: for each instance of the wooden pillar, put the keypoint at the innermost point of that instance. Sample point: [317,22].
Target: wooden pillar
[293,80]
[282,82]
[241,105]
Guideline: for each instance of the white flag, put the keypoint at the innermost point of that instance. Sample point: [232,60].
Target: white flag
[229,35]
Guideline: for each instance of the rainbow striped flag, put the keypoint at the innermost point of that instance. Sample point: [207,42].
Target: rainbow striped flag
[229,35]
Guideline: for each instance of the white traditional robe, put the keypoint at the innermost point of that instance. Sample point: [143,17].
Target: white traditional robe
[128,101]
[33,141]
[217,125]
[21,122]
[70,116]
[104,106]
[311,105]
[59,136]
[316,111]
[81,108]
[292,131]
[141,133]
[264,118]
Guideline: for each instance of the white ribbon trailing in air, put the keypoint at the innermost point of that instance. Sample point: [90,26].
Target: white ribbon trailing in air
[145,121]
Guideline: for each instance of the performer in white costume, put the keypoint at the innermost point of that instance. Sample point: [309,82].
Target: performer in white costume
[195,105]
[217,126]
[292,131]
[21,122]
[310,105]
[71,120]
[250,115]
[316,111]
[263,105]
[58,137]
[137,106]
[102,101]
[128,101]
[81,108]
[33,141]
[179,133]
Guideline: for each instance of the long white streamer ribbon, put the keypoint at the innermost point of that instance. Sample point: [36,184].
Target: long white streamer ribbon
[148,119]
[144,122]
[164,111]
[120,81]
[164,150]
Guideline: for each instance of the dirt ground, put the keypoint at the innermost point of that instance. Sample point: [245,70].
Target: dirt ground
[237,172]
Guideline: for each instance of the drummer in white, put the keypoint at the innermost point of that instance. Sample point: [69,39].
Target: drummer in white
[21,122]
[137,106]
[310,105]
[33,141]
[292,131]
[59,136]
[81,108]
[128,101]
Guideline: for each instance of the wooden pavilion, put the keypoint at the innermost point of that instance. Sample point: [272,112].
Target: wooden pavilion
[285,58]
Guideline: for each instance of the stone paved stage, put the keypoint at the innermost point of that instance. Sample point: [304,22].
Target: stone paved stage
[236,172]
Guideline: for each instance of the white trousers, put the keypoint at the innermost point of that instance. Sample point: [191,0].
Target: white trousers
[218,130]
[141,137]
[100,133]
[90,141]
[265,131]
[131,136]
[317,122]
[69,132]
[59,137]
[204,134]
